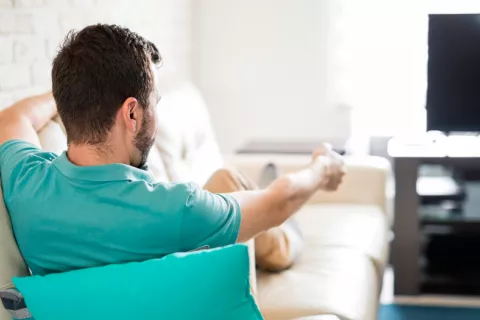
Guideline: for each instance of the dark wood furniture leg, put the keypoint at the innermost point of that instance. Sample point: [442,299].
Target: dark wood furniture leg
[406,244]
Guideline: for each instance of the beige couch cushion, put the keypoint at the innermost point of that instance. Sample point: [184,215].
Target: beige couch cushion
[337,272]
[339,281]
[185,137]
[11,262]
[156,166]
[52,138]
[360,227]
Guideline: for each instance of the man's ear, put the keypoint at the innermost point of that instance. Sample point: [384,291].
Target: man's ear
[130,113]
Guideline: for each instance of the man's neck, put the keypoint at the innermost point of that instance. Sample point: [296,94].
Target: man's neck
[94,155]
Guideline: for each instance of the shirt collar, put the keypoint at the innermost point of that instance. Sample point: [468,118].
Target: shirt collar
[108,172]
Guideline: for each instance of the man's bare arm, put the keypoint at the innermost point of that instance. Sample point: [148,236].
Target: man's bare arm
[23,119]
[265,209]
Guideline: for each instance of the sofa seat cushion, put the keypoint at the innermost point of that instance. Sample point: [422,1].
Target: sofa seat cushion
[324,280]
[360,227]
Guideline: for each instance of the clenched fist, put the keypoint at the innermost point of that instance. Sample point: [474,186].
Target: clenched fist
[334,167]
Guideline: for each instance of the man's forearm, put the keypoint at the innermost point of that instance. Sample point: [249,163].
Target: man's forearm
[23,119]
[289,192]
[264,209]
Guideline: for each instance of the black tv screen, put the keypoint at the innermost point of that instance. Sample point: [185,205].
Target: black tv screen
[453,94]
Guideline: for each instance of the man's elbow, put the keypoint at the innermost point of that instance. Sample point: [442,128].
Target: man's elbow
[14,125]
[9,116]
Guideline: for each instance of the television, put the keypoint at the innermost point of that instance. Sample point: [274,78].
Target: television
[453,92]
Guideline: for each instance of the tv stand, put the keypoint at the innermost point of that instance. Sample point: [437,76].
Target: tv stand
[409,225]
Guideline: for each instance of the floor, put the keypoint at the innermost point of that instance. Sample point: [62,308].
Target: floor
[387,296]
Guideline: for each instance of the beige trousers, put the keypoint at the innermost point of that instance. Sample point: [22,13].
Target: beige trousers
[274,247]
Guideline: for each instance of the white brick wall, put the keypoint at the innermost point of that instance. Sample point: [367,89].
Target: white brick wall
[31,31]
[6,52]
[14,76]
[28,49]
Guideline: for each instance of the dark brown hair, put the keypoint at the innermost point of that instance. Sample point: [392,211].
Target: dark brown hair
[94,72]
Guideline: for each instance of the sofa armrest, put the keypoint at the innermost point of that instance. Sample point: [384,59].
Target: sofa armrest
[365,182]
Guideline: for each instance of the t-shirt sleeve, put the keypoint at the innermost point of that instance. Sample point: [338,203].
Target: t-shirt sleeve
[209,219]
[17,158]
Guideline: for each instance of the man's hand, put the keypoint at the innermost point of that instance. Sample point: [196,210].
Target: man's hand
[334,167]
[264,209]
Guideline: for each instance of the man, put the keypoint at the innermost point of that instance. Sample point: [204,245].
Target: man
[94,204]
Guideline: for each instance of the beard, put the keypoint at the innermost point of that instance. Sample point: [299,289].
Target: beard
[145,140]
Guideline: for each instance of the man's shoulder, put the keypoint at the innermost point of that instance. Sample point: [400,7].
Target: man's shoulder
[16,150]
[18,158]
[14,145]
[20,163]
[170,201]
[162,194]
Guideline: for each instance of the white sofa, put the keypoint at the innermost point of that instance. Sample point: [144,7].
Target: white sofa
[338,274]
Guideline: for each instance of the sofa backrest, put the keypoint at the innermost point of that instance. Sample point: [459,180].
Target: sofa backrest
[185,138]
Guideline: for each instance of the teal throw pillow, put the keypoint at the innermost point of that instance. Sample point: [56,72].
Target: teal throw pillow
[209,284]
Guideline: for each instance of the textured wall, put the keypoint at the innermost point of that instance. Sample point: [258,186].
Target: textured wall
[31,30]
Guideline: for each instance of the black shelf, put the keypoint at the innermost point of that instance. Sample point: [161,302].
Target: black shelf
[464,215]
[448,261]
[451,226]
[452,285]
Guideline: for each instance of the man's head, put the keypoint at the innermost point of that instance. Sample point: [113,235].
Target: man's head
[105,86]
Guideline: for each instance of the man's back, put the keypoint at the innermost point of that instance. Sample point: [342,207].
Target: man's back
[68,217]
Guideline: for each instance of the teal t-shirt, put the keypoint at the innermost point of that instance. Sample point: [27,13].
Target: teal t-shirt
[68,217]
